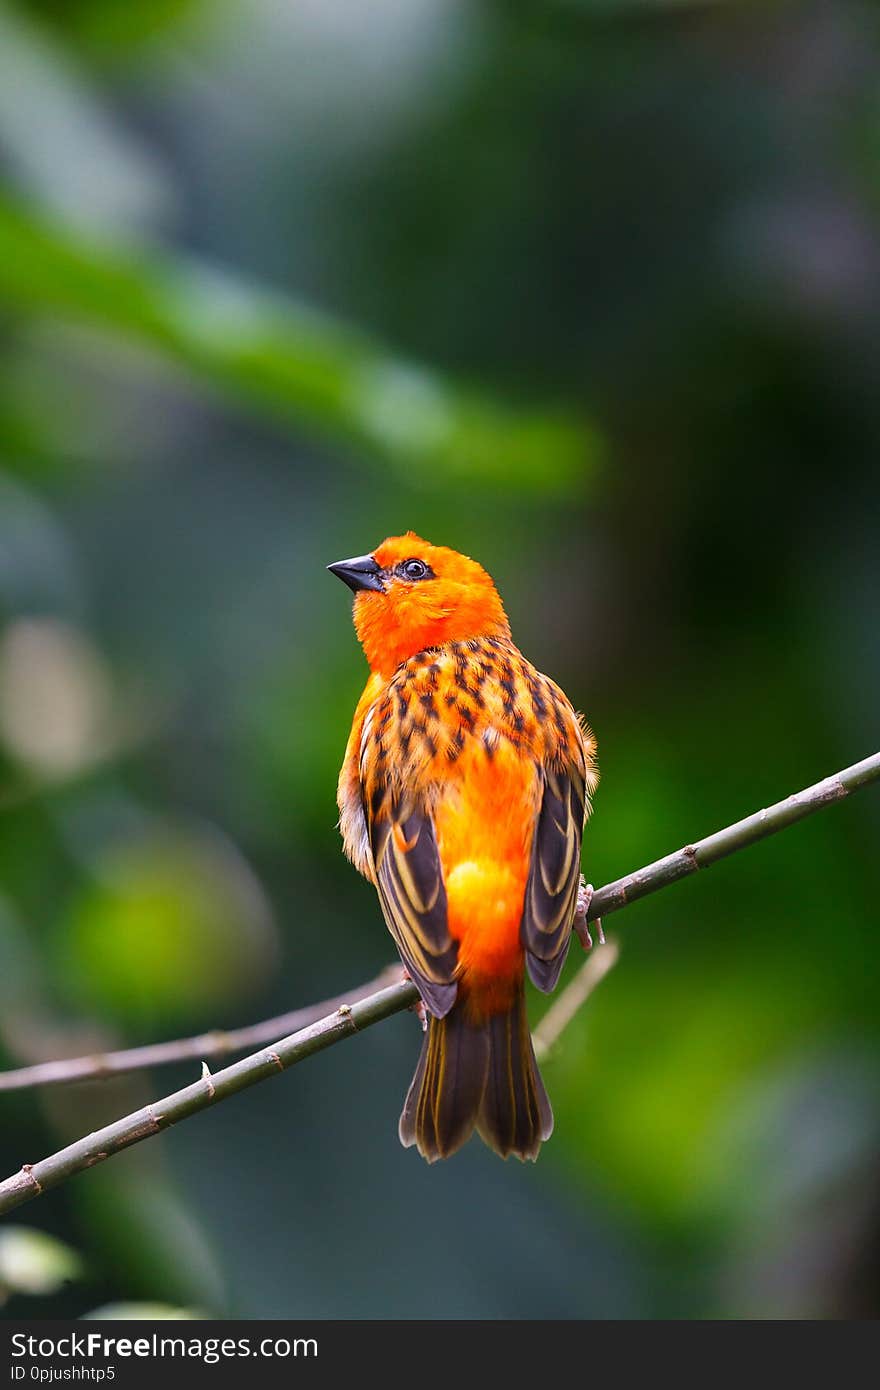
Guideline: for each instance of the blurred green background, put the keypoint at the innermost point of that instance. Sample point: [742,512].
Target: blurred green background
[592,292]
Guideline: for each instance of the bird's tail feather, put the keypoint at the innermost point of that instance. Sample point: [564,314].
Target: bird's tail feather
[477,1074]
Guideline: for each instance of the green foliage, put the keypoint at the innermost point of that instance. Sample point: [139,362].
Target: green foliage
[33,1263]
[588,291]
[106,30]
[170,926]
[291,361]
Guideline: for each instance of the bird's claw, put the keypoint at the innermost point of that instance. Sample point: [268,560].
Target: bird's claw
[418,1008]
[581,926]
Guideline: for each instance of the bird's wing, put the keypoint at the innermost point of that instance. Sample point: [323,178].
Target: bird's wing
[551,890]
[410,882]
[400,834]
[349,793]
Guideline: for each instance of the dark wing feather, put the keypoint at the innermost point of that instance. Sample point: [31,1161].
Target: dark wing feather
[551,892]
[410,881]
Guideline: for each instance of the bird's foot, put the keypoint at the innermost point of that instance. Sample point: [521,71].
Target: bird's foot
[418,1008]
[581,926]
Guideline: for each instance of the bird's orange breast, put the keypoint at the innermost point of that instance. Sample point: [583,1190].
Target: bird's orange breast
[484,822]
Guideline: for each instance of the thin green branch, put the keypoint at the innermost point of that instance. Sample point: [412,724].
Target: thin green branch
[34,1179]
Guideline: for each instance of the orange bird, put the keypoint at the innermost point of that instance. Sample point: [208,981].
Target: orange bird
[466,781]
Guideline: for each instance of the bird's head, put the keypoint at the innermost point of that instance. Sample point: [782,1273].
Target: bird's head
[410,595]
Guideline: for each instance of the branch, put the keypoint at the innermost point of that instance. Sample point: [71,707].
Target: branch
[97,1067]
[102,1065]
[34,1179]
[743,833]
[574,996]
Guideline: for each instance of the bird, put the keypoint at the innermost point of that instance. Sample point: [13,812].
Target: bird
[463,793]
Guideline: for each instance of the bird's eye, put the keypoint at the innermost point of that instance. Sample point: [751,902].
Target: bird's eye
[414,569]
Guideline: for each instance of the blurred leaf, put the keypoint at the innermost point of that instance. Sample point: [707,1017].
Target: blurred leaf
[56,710]
[105,26]
[172,924]
[33,1263]
[152,1240]
[25,443]
[149,1312]
[292,361]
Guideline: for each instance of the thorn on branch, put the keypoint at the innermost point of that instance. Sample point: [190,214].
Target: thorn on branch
[28,1171]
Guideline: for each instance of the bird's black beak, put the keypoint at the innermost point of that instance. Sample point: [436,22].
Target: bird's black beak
[360,573]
